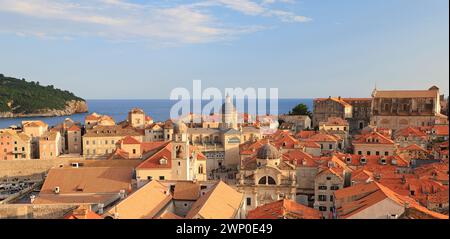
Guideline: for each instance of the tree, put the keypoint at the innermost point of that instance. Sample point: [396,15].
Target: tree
[300,109]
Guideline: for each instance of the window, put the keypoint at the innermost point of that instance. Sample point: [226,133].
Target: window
[179,163]
[270,180]
[321,146]
[413,192]
[368,152]
[249,201]
[322,209]
[161,177]
[334,187]
[330,146]
[163,161]
[331,198]
[328,178]
[386,153]
[106,141]
[134,151]
[359,153]
[322,198]
[322,187]
[87,142]
[149,178]
[266,180]
[377,153]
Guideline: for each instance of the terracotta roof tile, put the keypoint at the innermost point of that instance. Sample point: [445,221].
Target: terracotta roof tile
[284,209]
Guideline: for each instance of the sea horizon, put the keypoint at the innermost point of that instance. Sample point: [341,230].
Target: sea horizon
[158,109]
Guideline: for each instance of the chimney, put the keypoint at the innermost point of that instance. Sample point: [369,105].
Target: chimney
[100,208]
[122,194]
[347,178]
[403,179]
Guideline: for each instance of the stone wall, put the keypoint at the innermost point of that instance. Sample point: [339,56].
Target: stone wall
[30,167]
[31,211]
[35,168]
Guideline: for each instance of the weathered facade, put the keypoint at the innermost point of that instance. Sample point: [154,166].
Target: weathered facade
[397,109]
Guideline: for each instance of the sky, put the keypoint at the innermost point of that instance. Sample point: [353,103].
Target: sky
[125,49]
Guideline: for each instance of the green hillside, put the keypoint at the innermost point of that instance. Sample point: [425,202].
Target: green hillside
[20,96]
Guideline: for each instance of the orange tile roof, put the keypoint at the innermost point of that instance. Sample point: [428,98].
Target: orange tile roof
[382,139]
[74,127]
[413,147]
[322,137]
[410,131]
[335,121]
[439,197]
[185,190]
[169,215]
[404,94]
[311,144]
[87,180]
[362,196]
[221,202]
[36,123]
[93,116]
[130,140]
[299,158]
[82,213]
[305,134]
[119,154]
[144,203]
[153,161]
[441,130]
[284,209]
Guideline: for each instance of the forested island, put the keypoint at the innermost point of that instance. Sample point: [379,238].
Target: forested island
[21,98]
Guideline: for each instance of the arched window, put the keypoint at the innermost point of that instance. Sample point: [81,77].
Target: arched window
[266,180]
[262,181]
[271,181]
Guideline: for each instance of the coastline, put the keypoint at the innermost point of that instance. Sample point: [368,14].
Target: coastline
[72,107]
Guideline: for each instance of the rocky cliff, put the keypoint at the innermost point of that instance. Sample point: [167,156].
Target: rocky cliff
[72,107]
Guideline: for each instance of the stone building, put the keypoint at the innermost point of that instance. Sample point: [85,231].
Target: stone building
[14,145]
[396,109]
[74,141]
[100,141]
[265,178]
[355,110]
[136,118]
[374,143]
[50,146]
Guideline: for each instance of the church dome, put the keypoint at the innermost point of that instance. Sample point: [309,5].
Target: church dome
[268,151]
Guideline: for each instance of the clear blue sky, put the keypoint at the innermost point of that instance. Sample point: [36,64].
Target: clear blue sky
[112,49]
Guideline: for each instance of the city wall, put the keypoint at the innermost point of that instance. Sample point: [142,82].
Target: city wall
[36,168]
[38,211]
